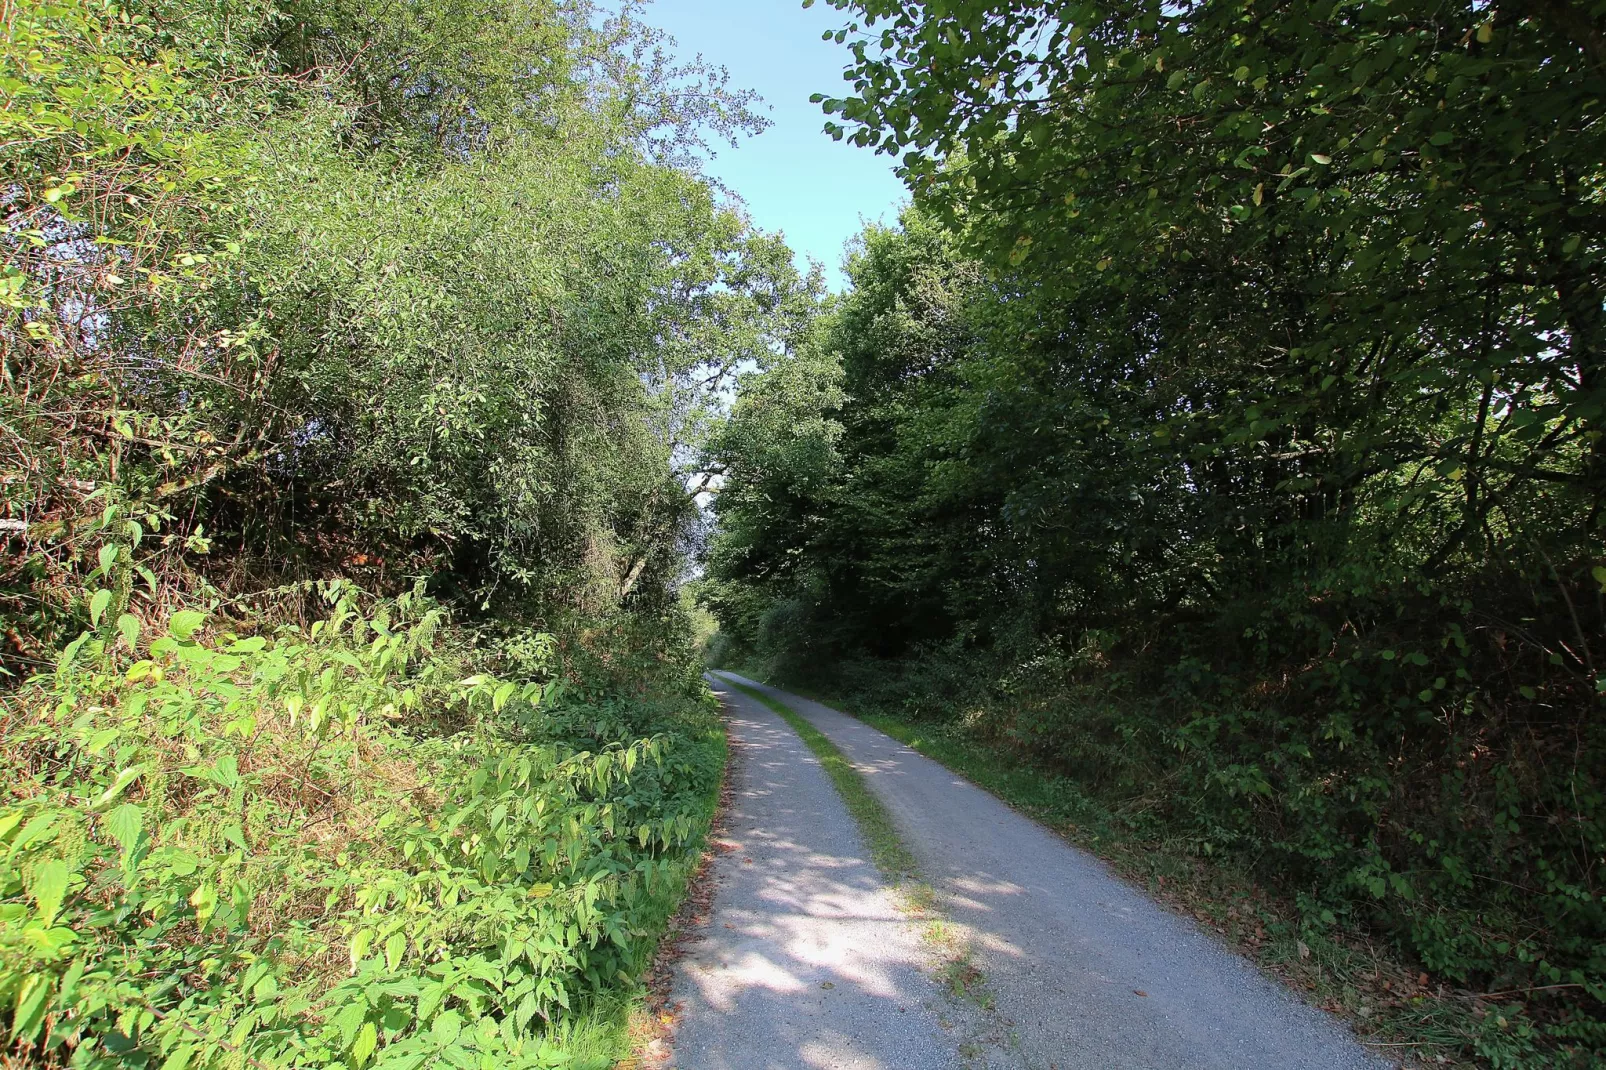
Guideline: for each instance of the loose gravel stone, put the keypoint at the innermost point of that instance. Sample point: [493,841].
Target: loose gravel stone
[807,961]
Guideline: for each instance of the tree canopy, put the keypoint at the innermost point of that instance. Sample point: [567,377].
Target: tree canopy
[1226,412]
[330,283]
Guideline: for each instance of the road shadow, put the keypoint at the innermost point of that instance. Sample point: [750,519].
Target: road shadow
[807,961]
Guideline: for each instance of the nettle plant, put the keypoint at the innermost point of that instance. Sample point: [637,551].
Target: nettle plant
[318,847]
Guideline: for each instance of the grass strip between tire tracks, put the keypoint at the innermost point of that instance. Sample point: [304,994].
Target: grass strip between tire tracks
[955,968]
[886,848]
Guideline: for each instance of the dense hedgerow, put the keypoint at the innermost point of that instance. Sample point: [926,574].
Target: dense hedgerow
[332,846]
[303,293]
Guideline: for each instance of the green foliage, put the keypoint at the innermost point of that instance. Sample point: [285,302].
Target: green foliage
[340,288]
[1226,415]
[1411,746]
[302,291]
[325,847]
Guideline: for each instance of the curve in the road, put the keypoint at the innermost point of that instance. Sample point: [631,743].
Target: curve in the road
[1094,974]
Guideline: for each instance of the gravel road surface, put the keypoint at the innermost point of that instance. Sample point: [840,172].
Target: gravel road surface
[806,961]
[1065,945]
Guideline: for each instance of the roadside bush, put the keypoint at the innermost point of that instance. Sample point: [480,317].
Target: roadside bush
[331,846]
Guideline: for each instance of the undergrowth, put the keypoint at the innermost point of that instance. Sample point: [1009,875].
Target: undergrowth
[367,843]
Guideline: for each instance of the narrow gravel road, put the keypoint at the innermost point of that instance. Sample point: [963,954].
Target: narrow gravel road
[806,962]
[1066,946]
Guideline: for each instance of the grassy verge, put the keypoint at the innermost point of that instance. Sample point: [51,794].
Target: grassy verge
[1399,1012]
[614,1030]
[621,1033]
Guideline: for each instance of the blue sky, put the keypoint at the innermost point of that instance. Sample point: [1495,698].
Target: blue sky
[793,177]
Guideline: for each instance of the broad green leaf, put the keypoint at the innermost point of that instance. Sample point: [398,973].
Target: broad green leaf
[204,900]
[446,1028]
[125,823]
[182,624]
[39,827]
[180,1058]
[125,777]
[32,1000]
[48,887]
[503,693]
[367,1040]
[349,1020]
[360,944]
